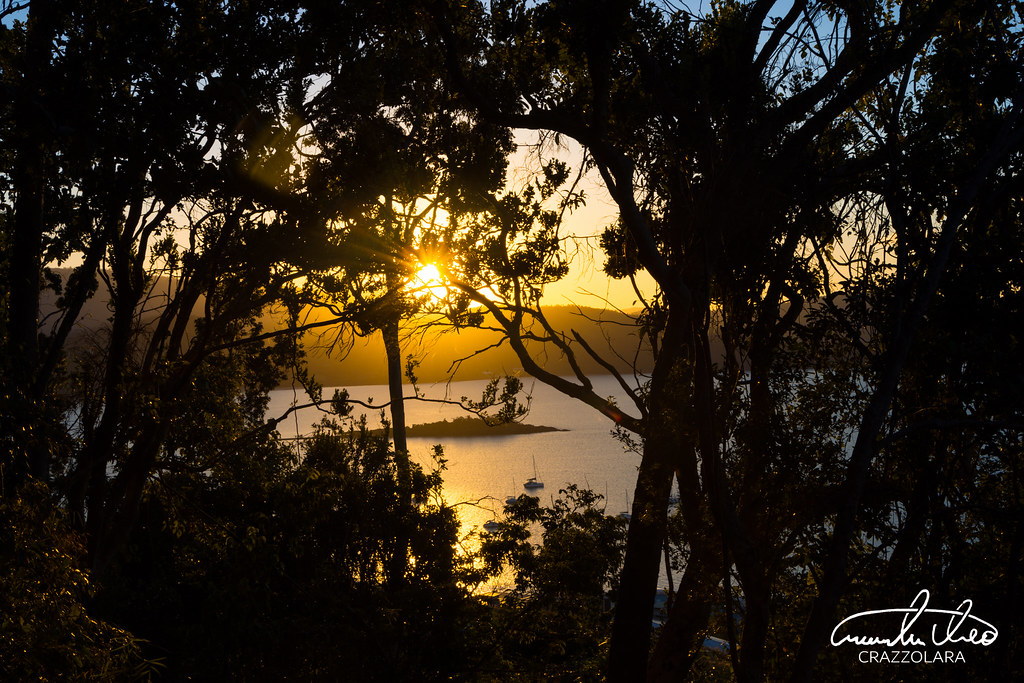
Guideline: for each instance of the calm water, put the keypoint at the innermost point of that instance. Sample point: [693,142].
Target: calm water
[483,471]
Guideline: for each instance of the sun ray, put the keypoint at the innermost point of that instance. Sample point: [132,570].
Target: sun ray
[429,280]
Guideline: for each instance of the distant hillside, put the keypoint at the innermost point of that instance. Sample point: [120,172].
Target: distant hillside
[609,333]
[614,337]
[96,313]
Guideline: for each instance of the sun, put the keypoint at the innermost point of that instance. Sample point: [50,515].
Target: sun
[429,280]
[429,274]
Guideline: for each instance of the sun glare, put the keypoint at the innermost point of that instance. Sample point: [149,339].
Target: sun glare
[428,280]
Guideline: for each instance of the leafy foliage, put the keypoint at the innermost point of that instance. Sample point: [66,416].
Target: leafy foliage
[555,621]
[267,566]
[48,631]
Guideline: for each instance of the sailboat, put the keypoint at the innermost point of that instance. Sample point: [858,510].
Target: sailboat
[532,482]
[626,515]
[513,498]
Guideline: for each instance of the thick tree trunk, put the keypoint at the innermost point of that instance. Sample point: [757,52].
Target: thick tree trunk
[756,592]
[638,583]
[631,629]
[682,634]
[125,496]
[26,247]
[92,467]
[751,515]
[97,454]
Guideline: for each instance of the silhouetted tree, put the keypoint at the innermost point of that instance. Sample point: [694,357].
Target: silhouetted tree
[732,141]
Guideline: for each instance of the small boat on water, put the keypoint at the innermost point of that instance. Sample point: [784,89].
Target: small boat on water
[532,482]
[513,498]
[625,514]
[492,526]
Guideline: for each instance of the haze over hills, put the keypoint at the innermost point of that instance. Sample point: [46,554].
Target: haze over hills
[610,333]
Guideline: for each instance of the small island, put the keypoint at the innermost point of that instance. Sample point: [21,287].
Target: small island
[473,426]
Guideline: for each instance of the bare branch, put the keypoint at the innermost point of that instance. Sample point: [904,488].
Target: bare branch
[11,9]
[577,391]
[614,373]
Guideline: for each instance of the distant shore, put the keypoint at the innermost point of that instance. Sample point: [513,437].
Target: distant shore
[473,426]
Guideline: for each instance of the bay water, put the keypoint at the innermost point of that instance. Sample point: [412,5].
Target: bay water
[482,471]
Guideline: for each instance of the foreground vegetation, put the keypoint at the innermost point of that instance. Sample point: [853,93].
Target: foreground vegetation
[271,567]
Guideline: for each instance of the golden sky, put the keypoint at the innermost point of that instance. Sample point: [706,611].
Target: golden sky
[586,284]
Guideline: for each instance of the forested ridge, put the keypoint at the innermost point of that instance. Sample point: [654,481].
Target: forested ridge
[442,354]
[819,213]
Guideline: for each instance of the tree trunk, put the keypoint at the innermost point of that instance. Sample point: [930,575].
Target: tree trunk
[125,495]
[399,558]
[751,565]
[638,584]
[26,246]
[397,398]
[682,634]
